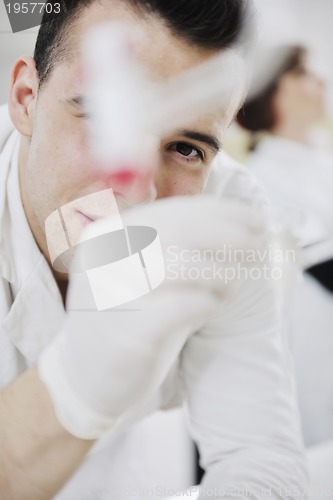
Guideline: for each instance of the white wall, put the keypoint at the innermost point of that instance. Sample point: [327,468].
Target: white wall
[307,22]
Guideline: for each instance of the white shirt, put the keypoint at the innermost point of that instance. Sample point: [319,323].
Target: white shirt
[299,182]
[234,374]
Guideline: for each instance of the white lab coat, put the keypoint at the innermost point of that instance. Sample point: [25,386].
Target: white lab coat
[234,374]
[299,182]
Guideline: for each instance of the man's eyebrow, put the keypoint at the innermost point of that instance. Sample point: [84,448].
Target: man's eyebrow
[208,139]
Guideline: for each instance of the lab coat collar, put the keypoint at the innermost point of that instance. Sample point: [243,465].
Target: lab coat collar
[37,312]
[36,315]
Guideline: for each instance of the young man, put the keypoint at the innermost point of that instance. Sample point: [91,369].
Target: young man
[92,380]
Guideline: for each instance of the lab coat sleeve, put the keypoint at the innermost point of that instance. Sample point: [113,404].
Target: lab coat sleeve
[241,403]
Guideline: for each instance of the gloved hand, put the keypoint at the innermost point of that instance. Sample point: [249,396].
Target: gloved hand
[104,363]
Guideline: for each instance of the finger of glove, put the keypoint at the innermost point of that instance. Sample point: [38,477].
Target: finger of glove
[202,209]
[198,221]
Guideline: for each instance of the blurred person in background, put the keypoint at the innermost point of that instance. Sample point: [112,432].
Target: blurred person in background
[298,177]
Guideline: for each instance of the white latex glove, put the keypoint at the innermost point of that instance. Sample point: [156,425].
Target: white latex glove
[103,364]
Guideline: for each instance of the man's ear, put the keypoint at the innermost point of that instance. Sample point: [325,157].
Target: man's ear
[23,94]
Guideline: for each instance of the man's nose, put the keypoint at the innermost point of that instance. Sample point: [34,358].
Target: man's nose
[134,184]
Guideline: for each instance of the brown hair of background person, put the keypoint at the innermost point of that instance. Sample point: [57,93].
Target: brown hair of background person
[258,114]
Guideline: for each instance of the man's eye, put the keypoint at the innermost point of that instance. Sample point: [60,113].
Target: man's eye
[186,150]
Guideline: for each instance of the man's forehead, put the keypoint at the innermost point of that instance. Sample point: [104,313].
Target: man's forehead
[163,53]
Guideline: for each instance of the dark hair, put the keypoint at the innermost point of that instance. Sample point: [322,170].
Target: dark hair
[258,113]
[210,24]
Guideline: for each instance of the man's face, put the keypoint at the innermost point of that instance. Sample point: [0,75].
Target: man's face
[58,166]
